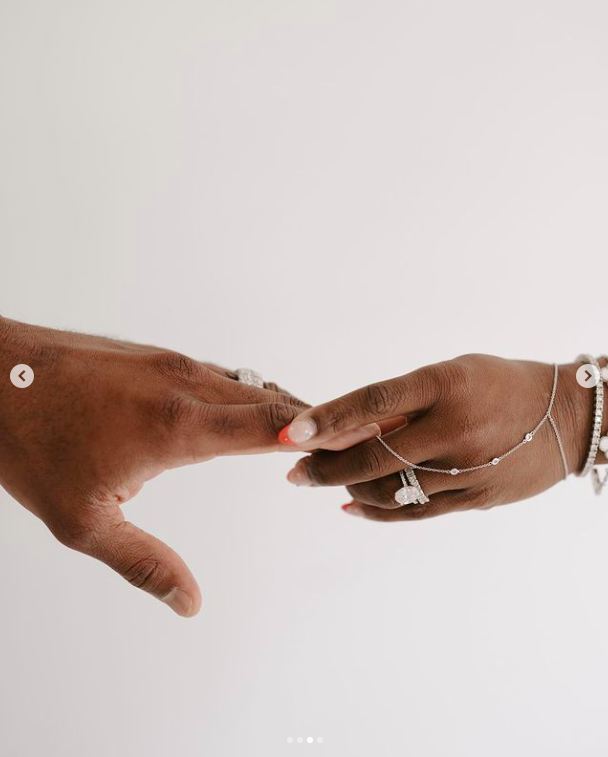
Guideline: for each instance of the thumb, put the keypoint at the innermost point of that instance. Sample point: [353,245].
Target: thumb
[149,564]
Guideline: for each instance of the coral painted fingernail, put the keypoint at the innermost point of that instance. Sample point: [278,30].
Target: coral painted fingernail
[299,476]
[284,436]
[353,509]
[298,432]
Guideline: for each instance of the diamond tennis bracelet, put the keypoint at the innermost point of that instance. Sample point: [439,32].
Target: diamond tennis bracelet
[598,414]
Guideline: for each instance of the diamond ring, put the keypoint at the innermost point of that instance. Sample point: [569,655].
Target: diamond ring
[411,491]
[250,377]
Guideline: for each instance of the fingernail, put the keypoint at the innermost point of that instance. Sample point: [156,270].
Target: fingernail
[284,435]
[353,509]
[299,476]
[361,434]
[298,432]
[179,602]
[372,429]
[354,436]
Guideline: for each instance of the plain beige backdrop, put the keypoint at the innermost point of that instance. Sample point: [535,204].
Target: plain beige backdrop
[331,192]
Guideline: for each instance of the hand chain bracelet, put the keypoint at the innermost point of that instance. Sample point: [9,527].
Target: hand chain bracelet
[496,460]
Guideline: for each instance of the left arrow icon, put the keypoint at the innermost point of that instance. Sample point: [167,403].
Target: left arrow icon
[22,376]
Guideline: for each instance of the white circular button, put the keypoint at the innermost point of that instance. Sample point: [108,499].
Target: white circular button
[22,376]
[588,376]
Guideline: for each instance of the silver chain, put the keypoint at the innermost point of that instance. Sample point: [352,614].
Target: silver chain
[494,461]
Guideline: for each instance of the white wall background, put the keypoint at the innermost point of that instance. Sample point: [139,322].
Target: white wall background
[334,192]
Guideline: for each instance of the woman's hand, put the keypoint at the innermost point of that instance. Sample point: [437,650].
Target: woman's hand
[455,414]
[104,416]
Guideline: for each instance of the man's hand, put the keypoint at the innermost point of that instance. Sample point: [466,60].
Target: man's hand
[103,417]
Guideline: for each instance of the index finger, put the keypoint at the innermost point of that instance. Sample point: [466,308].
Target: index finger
[370,460]
[414,392]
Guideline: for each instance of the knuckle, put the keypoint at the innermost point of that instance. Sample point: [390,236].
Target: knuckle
[220,424]
[454,379]
[377,398]
[294,402]
[335,419]
[174,410]
[176,366]
[145,573]
[371,463]
[318,473]
[337,415]
[463,371]
[278,415]
[335,423]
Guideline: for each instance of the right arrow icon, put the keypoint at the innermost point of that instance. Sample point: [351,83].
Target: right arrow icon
[588,376]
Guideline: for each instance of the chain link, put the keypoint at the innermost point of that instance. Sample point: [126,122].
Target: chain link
[495,460]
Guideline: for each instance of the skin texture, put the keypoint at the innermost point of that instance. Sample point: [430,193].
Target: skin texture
[458,413]
[103,417]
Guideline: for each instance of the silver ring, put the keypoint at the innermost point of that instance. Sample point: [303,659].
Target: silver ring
[411,491]
[250,377]
[412,478]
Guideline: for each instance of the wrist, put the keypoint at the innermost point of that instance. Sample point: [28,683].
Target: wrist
[574,411]
[574,407]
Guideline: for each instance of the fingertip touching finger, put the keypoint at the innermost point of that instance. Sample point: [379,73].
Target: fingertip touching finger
[248,428]
[367,461]
[399,396]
